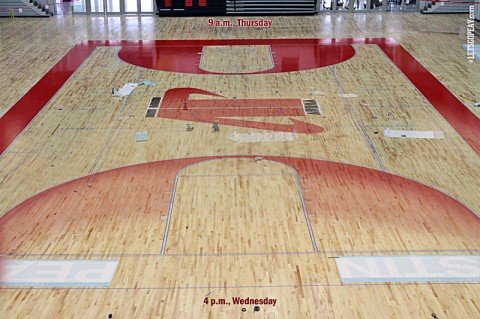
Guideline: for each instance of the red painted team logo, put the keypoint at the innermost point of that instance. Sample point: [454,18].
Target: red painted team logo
[177,105]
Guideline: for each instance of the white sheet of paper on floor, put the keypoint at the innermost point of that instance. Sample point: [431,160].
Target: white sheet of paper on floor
[126,90]
[150,83]
[141,136]
[413,134]
[348,95]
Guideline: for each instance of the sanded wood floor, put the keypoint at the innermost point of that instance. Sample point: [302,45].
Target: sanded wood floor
[234,213]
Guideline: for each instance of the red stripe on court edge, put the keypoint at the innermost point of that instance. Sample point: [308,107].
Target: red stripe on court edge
[17,118]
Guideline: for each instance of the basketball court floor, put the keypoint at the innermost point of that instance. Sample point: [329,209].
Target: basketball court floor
[323,167]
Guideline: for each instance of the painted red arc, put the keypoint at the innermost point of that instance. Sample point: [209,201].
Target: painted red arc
[287,57]
[177,105]
[334,180]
